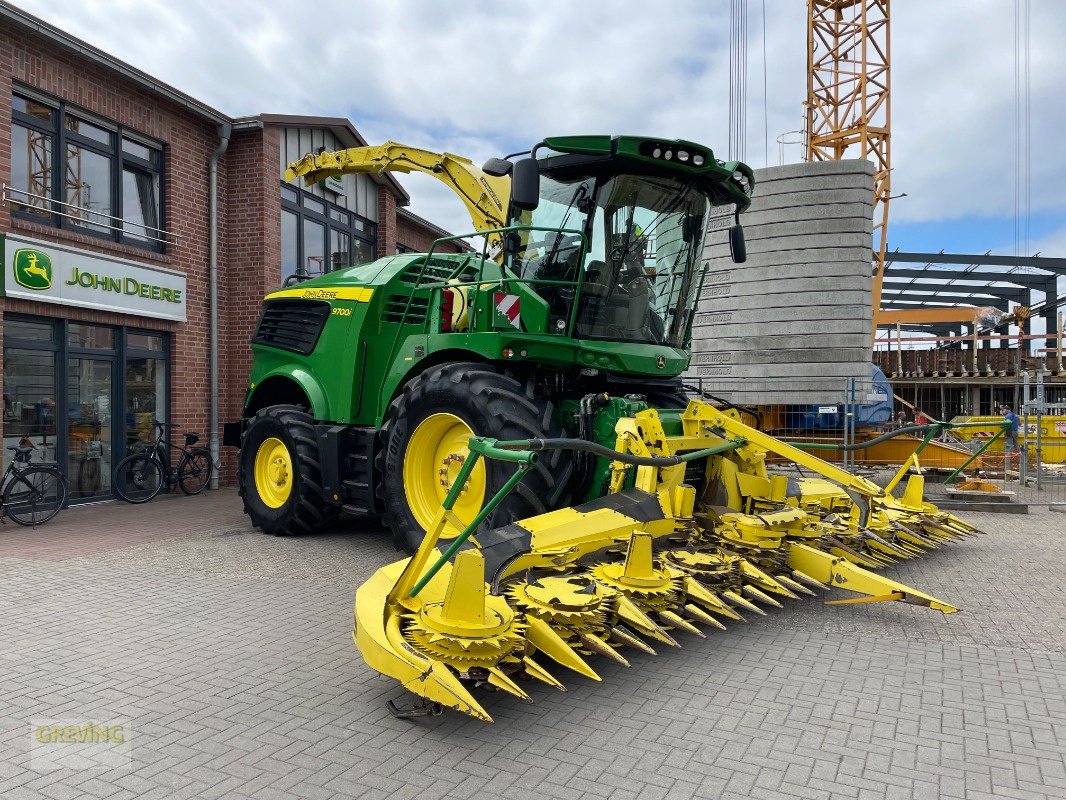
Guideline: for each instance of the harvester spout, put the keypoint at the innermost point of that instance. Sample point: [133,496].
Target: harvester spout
[485,196]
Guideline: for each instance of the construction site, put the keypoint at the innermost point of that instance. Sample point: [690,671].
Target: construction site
[952,337]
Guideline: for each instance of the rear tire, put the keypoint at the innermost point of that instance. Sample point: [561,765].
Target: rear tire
[279,475]
[195,471]
[449,401]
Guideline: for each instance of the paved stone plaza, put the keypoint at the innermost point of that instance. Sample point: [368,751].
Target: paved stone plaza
[227,656]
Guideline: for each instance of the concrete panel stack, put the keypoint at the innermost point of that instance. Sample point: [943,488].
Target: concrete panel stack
[793,323]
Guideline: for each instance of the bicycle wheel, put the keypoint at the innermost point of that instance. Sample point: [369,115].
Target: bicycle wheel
[35,495]
[194,471]
[138,478]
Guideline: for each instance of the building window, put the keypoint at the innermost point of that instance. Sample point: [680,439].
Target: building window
[318,237]
[84,174]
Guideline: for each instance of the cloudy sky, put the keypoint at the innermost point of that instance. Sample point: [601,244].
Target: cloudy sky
[488,78]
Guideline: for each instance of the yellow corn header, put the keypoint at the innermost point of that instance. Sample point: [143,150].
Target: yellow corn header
[652,561]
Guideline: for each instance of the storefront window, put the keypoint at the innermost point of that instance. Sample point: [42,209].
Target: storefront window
[314,248]
[146,397]
[364,252]
[145,341]
[84,395]
[339,249]
[29,401]
[289,243]
[15,328]
[90,337]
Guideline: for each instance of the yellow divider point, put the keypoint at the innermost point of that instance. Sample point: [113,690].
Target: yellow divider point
[542,637]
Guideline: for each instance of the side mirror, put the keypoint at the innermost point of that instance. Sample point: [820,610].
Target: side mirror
[737,249]
[497,167]
[525,185]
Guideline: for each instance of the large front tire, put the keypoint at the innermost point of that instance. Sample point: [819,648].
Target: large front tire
[424,445]
[279,475]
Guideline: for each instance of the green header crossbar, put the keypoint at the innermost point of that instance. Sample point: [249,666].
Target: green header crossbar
[479,446]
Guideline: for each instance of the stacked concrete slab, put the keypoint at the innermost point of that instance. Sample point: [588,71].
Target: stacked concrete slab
[791,325]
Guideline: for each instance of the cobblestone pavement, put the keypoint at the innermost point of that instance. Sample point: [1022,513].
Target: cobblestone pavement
[228,655]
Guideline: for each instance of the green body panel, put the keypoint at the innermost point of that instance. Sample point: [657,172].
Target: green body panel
[342,388]
[385,323]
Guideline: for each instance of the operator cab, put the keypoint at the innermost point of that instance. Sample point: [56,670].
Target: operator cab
[622,237]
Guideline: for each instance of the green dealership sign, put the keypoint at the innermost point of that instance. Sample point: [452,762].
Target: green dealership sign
[54,273]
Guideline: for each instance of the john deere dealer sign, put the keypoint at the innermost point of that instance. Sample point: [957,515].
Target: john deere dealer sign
[51,273]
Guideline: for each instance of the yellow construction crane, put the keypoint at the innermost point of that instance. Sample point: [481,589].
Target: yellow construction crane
[849,114]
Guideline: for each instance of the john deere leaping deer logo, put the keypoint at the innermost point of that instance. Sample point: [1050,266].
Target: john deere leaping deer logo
[33,269]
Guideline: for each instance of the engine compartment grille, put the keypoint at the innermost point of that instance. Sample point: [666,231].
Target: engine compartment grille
[293,325]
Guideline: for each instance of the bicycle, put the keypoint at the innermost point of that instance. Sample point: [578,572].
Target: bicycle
[35,493]
[141,476]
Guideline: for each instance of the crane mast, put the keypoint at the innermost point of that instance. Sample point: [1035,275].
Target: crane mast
[848,105]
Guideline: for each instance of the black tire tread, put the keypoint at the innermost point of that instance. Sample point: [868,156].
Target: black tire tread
[309,511]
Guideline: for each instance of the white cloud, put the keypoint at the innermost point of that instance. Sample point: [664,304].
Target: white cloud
[485,79]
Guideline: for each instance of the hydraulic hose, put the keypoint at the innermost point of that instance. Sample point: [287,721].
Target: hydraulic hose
[626,458]
[884,437]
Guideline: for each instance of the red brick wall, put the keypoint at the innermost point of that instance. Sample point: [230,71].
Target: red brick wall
[386,222]
[418,237]
[189,141]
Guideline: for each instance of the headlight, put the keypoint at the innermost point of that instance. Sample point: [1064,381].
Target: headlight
[742,179]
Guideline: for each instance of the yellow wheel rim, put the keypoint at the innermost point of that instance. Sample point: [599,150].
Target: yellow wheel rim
[273,472]
[435,452]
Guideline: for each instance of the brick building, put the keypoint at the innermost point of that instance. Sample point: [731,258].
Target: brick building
[117,191]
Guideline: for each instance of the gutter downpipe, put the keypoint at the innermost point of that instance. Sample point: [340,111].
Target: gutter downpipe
[224,131]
